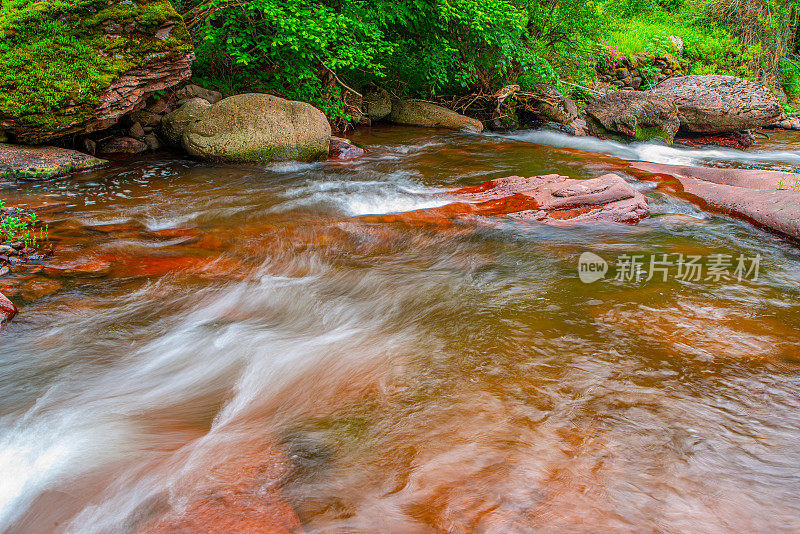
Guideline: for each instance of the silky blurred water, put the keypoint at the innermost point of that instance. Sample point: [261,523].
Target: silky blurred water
[407,377]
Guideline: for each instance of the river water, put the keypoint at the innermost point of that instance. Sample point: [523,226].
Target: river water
[253,348]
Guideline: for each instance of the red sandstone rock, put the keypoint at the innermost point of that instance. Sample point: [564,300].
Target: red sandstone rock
[749,194]
[7,310]
[749,178]
[179,236]
[88,267]
[551,199]
[38,287]
[737,140]
[241,499]
[343,149]
[558,200]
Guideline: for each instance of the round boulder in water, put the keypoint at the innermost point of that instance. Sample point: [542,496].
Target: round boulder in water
[377,102]
[258,127]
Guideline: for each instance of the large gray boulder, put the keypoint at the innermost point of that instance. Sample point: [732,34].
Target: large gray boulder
[173,125]
[718,104]
[421,113]
[258,127]
[633,115]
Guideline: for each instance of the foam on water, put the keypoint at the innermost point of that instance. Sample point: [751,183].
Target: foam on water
[395,193]
[653,152]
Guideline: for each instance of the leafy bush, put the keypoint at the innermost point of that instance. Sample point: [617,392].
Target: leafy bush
[15,225]
[309,50]
[790,78]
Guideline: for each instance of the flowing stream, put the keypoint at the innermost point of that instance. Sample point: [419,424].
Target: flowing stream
[216,343]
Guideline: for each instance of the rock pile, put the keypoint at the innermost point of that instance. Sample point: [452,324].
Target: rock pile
[639,72]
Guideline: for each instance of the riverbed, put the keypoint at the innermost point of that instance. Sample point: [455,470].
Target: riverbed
[252,347]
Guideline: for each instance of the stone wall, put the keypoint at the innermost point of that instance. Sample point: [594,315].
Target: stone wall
[641,72]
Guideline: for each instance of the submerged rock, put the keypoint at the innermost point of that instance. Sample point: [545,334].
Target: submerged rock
[635,115]
[43,162]
[717,104]
[7,310]
[258,127]
[77,67]
[421,113]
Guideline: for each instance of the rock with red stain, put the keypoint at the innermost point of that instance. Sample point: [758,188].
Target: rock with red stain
[38,287]
[179,236]
[762,197]
[738,140]
[343,149]
[558,200]
[7,310]
[749,178]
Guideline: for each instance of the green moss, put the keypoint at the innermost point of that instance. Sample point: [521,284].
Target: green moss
[45,173]
[61,55]
[648,133]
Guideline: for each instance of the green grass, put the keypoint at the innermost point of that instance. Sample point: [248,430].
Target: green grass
[709,49]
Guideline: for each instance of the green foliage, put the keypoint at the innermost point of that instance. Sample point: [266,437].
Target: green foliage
[59,53]
[306,49]
[709,48]
[790,78]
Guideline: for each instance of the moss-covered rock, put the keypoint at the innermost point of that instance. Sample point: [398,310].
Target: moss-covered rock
[633,115]
[74,66]
[421,113]
[42,162]
[258,127]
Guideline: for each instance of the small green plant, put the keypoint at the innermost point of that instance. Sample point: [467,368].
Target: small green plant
[17,226]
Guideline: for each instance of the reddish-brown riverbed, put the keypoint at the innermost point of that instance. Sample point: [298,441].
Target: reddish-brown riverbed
[249,349]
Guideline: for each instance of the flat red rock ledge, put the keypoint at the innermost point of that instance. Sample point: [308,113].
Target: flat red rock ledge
[551,199]
[764,198]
